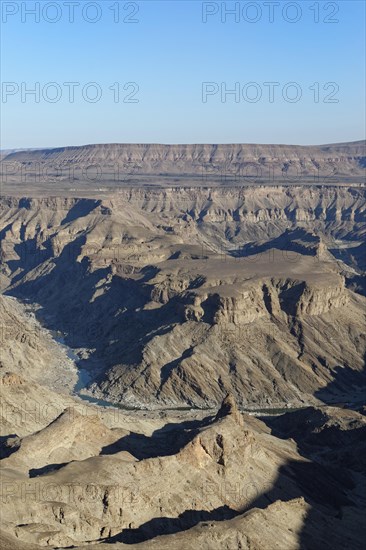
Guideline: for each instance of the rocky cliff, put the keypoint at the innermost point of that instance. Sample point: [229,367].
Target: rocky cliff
[176,296]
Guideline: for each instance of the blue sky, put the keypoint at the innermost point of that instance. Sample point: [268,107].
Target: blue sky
[168,54]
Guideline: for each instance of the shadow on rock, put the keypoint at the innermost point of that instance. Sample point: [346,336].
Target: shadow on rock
[165,441]
[169,526]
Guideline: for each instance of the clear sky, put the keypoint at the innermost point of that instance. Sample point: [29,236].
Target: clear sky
[165,60]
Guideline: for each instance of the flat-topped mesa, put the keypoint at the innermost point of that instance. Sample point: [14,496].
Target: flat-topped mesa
[244,308]
[264,298]
[317,300]
[205,160]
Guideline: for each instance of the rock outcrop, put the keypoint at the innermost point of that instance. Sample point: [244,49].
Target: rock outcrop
[177,296]
[218,481]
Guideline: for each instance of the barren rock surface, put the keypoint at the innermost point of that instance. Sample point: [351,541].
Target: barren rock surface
[176,297]
[183,365]
[225,480]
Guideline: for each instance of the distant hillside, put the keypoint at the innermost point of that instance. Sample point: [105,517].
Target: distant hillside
[231,160]
[91,169]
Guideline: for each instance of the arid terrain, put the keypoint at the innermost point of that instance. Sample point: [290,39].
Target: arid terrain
[93,170]
[183,347]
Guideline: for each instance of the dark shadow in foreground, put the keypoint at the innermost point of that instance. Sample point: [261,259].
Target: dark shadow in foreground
[169,526]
